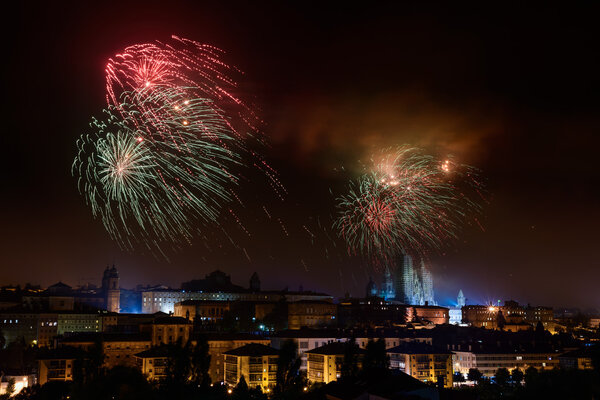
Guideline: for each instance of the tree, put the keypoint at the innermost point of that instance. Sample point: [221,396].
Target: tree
[349,367]
[200,363]
[502,376]
[474,375]
[539,328]
[288,368]
[179,364]
[278,318]
[95,357]
[458,377]
[516,376]
[376,361]
[241,389]
[531,375]
[500,320]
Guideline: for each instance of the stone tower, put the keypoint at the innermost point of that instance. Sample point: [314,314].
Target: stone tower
[427,283]
[387,289]
[111,290]
[460,300]
[403,276]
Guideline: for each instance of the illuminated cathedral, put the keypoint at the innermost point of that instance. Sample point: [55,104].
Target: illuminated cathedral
[412,281]
[405,281]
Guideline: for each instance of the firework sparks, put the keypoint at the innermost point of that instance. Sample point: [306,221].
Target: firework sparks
[410,203]
[149,178]
[166,158]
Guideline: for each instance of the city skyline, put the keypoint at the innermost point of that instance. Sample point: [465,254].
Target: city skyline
[500,90]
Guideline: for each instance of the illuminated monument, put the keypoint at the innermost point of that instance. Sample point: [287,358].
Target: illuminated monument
[413,282]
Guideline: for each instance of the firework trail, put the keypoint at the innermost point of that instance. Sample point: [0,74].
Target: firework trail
[409,203]
[154,183]
[181,62]
[168,155]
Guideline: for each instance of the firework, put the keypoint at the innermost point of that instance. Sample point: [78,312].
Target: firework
[179,63]
[167,157]
[152,173]
[200,68]
[410,203]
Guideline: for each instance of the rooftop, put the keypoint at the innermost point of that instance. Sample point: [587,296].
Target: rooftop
[417,348]
[334,348]
[155,352]
[253,350]
[170,321]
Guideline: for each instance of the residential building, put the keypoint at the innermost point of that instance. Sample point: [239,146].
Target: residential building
[577,359]
[423,362]
[153,362]
[117,348]
[219,343]
[57,365]
[488,360]
[166,330]
[257,362]
[310,339]
[325,362]
[307,339]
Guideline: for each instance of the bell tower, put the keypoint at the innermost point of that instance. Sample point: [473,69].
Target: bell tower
[111,290]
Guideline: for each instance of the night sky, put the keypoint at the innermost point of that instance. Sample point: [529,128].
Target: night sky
[513,91]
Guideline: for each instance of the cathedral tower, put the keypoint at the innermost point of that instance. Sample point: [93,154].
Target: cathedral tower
[111,290]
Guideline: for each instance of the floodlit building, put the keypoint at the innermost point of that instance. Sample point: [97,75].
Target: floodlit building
[496,317]
[256,362]
[434,314]
[153,362]
[306,339]
[202,311]
[325,362]
[219,343]
[423,362]
[217,286]
[57,365]
[413,281]
[455,313]
[487,361]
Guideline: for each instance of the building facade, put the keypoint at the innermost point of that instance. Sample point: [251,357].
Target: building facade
[168,330]
[423,362]
[219,343]
[488,362]
[310,313]
[325,362]
[496,317]
[256,362]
